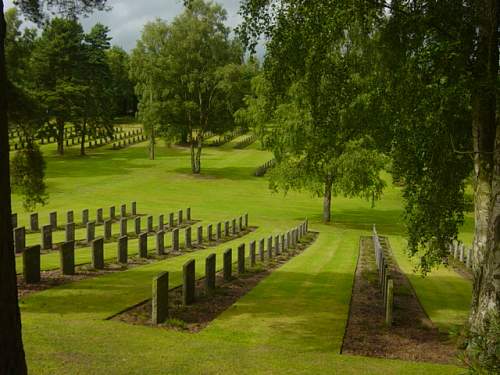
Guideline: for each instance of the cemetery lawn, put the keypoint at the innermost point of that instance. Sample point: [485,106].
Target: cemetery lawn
[292,322]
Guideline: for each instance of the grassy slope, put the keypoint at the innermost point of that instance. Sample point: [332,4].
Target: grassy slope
[292,322]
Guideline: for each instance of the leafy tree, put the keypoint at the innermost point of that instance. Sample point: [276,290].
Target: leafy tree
[12,360]
[121,87]
[59,78]
[180,74]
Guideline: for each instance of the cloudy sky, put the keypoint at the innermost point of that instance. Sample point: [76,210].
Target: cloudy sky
[127,17]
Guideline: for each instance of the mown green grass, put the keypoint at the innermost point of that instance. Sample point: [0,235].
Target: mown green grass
[292,322]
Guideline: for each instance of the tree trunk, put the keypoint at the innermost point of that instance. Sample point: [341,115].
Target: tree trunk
[60,136]
[152,144]
[327,200]
[12,360]
[486,259]
[82,141]
[199,148]
[193,155]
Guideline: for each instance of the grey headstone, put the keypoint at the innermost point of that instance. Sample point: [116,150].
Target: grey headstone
[137,225]
[122,255]
[34,222]
[123,210]
[70,217]
[108,225]
[188,286]
[246,221]
[31,264]
[210,270]
[171,223]
[261,249]
[175,240]
[46,237]
[160,298]
[98,253]
[226,229]
[160,242]
[19,239]
[134,208]
[150,224]
[240,224]
[210,235]
[187,233]
[277,246]
[70,232]
[90,231]
[252,253]
[179,218]
[188,214]
[53,220]
[123,226]
[67,258]
[233,224]
[282,243]
[228,264]
[143,245]
[112,212]
[100,215]
[241,259]
[469,258]
[161,222]
[270,247]
[85,217]
[219,232]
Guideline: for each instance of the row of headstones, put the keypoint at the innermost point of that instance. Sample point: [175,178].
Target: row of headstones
[47,230]
[70,217]
[223,139]
[262,170]
[461,253]
[160,289]
[31,255]
[385,280]
[129,141]
[246,142]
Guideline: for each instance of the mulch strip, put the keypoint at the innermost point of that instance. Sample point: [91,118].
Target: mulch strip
[208,307]
[412,337]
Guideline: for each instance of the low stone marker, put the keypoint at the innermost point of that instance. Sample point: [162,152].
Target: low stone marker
[19,239]
[14,220]
[218,233]
[241,259]
[246,221]
[160,242]
[210,270]
[112,212]
[171,223]
[123,227]
[67,258]
[235,230]
[53,220]
[161,222]
[261,249]
[175,240]
[98,253]
[228,265]
[252,253]
[270,247]
[69,232]
[150,224]
[137,225]
[70,217]
[100,215]
[85,216]
[122,255]
[461,252]
[34,222]
[187,235]
[31,264]
[179,218]
[143,245]
[199,240]
[188,286]
[468,261]
[123,210]
[188,214]
[210,234]
[226,229]
[389,302]
[47,237]
[240,224]
[134,208]
[277,245]
[90,231]
[108,225]
[160,298]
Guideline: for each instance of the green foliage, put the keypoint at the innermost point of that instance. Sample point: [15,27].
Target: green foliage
[121,87]
[27,176]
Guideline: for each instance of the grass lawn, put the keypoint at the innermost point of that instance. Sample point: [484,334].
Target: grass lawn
[292,322]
